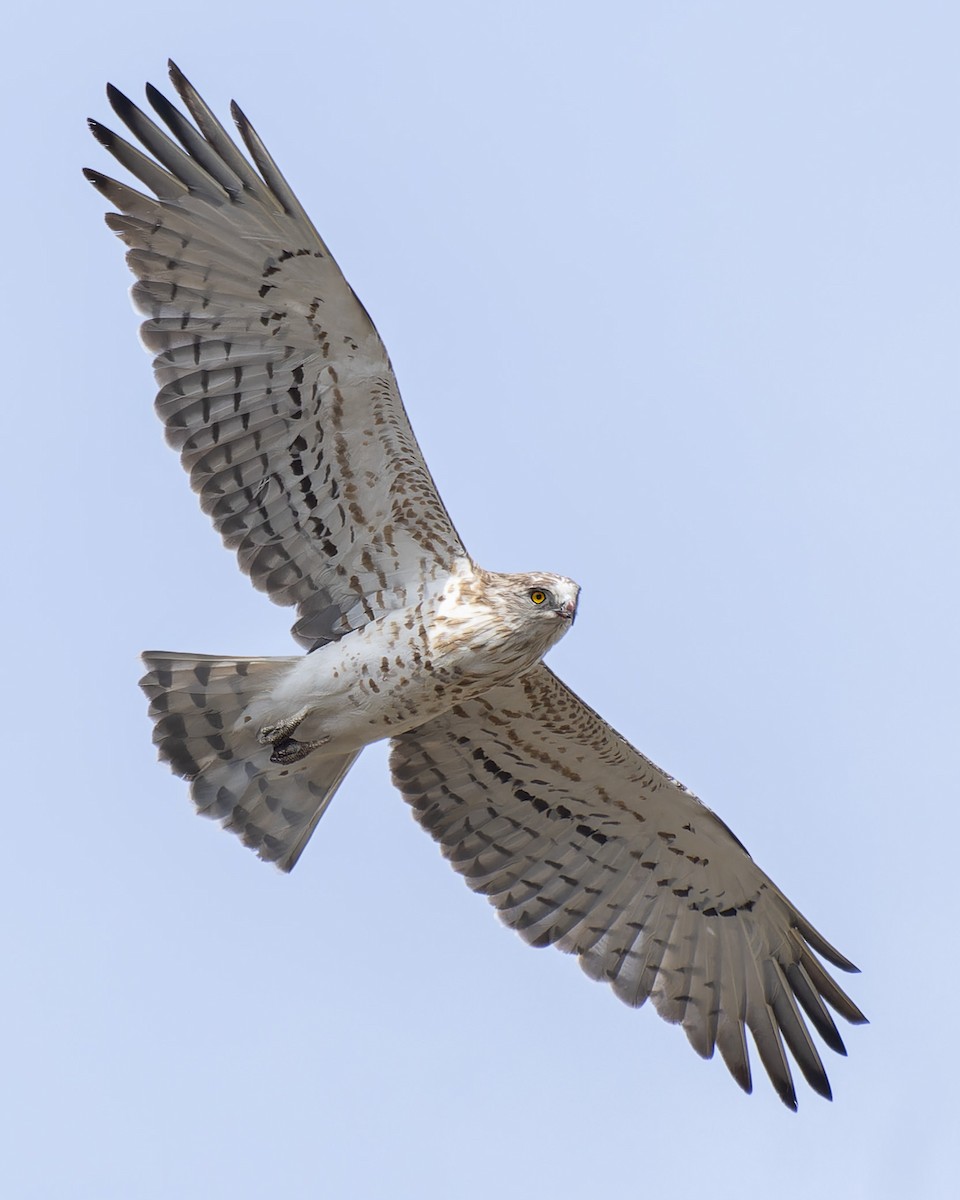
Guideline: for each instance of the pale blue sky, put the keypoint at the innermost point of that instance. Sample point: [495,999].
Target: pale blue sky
[672,293]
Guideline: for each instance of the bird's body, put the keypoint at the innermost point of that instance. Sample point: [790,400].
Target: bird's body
[414,663]
[278,393]
[401,669]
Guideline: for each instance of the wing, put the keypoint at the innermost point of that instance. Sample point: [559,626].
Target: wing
[274,384]
[582,843]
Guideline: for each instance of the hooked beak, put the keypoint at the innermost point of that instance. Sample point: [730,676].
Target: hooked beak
[568,611]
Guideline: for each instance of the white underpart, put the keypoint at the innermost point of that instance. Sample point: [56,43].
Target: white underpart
[404,668]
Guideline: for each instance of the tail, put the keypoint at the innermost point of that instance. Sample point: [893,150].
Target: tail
[197,703]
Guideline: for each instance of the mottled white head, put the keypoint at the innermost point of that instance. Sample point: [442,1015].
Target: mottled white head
[535,610]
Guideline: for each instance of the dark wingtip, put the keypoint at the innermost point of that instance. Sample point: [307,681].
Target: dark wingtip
[743,1079]
[833,1040]
[177,78]
[122,105]
[104,136]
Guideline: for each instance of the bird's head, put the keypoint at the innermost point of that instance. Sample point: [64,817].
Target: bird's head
[539,607]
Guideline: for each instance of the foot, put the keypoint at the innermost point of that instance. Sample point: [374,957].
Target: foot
[288,750]
[279,730]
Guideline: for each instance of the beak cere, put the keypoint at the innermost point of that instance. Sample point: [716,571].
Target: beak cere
[568,611]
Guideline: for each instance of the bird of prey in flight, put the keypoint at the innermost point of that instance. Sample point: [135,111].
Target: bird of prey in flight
[275,388]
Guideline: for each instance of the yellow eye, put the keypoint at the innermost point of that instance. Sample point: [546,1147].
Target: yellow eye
[537,596]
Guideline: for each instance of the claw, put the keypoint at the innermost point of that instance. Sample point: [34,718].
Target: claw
[288,750]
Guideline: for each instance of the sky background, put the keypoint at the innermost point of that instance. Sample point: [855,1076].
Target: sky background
[672,292]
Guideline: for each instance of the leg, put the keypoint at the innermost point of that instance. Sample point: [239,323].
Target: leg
[271,734]
[286,749]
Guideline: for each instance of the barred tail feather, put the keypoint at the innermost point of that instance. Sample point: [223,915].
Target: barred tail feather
[198,702]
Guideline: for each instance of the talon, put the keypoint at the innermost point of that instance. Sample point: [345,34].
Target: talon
[288,750]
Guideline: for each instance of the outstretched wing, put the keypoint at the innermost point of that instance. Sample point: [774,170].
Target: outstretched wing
[274,384]
[582,843]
